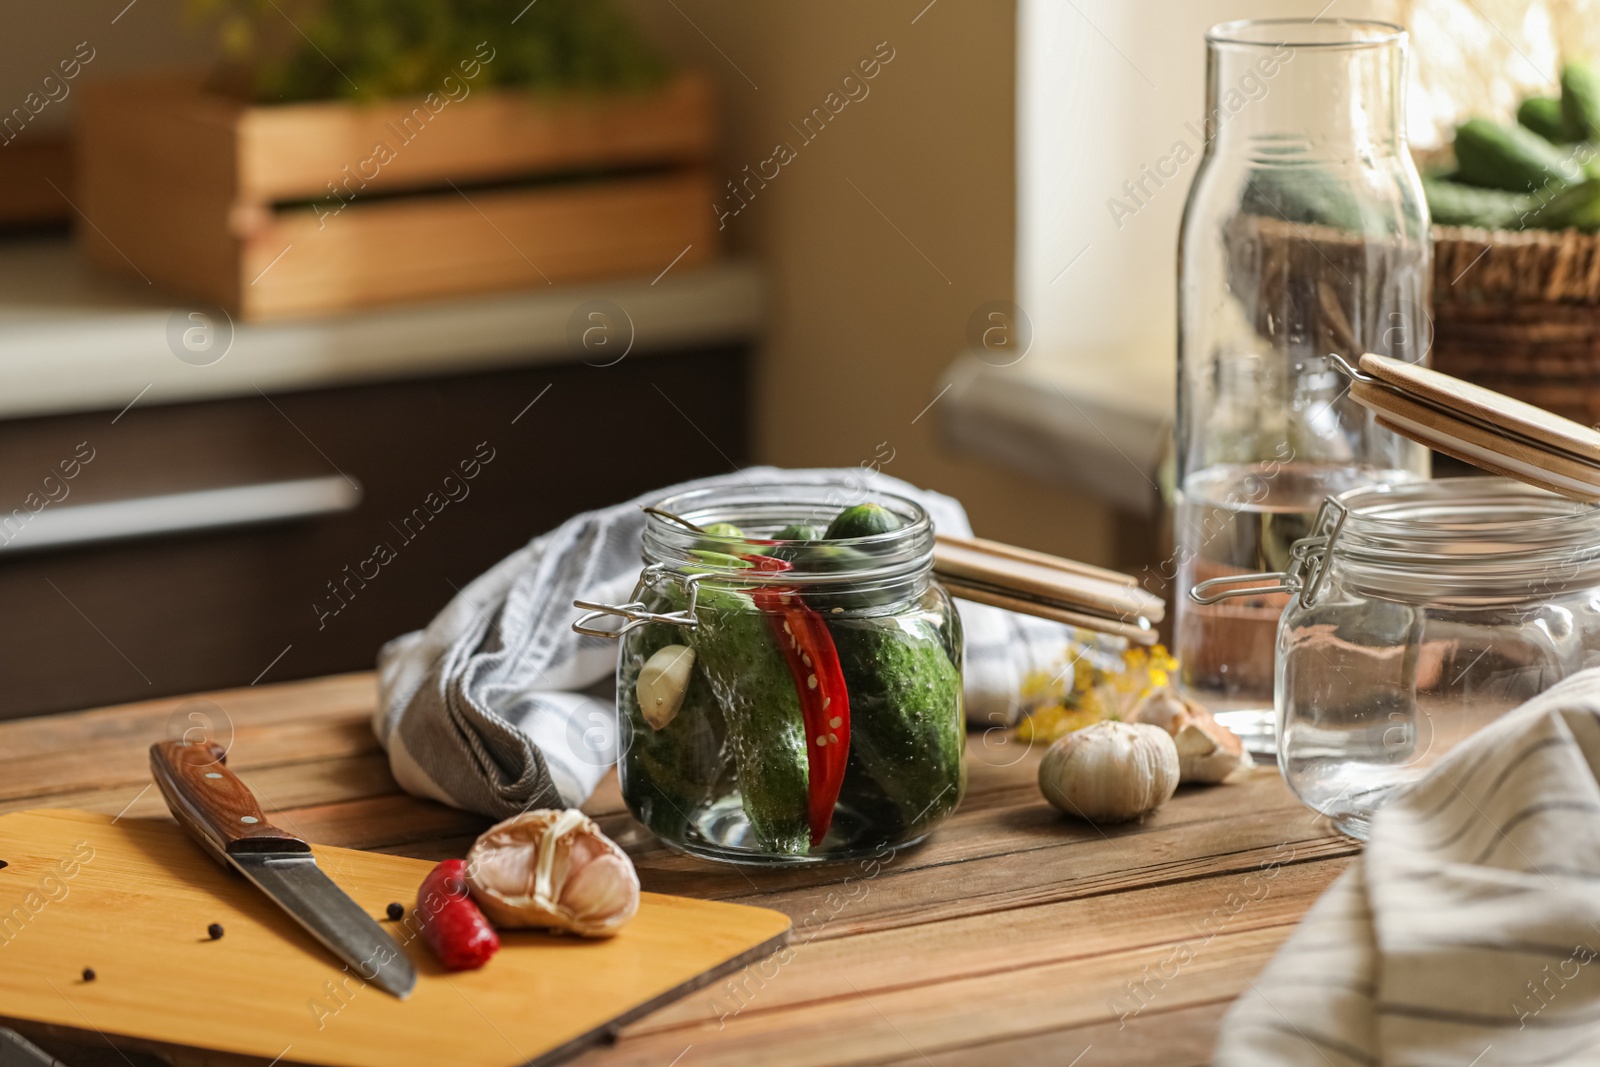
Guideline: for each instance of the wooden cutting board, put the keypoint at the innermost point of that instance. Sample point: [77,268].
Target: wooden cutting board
[132,899]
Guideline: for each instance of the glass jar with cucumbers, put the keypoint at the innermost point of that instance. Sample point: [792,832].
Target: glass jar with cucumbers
[789,680]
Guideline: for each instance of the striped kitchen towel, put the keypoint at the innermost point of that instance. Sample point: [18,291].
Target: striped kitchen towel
[1468,932]
[498,706]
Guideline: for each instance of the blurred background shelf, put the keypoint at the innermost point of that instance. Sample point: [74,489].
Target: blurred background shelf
[256,489]
[75,339]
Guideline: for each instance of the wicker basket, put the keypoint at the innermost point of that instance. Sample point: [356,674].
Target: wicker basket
[1520,313]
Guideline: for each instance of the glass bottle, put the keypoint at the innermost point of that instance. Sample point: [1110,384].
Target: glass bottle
[1305,233]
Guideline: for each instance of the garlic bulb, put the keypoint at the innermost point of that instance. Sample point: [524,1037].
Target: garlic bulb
[553,869]
[1207,751]
[1111,771]
[662,681]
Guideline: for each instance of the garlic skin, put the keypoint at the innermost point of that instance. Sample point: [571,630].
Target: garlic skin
[1208,752]
[556,870]
[1111,771]
[662,682]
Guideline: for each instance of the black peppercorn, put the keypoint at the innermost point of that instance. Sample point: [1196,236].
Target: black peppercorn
[396,913]
[215,930]
[4,865]
[88,974]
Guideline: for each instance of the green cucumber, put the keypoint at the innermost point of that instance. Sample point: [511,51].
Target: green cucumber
[1575,208]
[712,547]
[1544,116]
[1513,158]
[863,520]
[794,538]
[1301,194]
[906,726]
[751,681]
[1580,101]
[799,531]
[1454,204]
[670,773]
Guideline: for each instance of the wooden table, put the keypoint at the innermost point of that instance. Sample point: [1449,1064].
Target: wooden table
[1014,935]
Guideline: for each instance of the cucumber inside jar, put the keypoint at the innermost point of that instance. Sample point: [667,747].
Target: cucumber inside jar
[670,772]
[906,771]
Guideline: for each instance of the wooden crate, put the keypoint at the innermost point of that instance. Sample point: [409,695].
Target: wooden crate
[301,209]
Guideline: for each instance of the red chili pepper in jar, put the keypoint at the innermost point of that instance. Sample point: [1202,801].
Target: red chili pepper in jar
[452,925]
[813,662]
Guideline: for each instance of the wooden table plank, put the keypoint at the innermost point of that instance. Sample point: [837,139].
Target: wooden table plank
[340,695]
[126,761]
[281,788]
[999,943]
[1013,935]
[856,1029]
[1183,1037]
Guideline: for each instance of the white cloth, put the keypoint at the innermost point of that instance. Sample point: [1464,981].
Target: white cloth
[1468,932]
[498,706]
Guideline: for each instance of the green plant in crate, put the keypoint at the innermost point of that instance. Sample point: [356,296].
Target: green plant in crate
[1541,173]
[282,51]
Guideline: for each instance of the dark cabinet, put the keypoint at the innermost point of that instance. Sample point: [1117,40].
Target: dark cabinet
[453,474]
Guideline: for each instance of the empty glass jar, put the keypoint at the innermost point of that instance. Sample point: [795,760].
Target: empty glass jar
[1419,614]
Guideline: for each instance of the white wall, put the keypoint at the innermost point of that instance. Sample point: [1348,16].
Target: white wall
[883,238]
[1104,87]
[36,36]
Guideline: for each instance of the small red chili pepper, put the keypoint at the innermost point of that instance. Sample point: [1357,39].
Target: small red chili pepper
[813,662]
[452,925]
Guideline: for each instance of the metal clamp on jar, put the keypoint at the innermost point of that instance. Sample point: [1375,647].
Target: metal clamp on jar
[1420,612]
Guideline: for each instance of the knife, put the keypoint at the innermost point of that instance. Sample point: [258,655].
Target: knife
[220,812]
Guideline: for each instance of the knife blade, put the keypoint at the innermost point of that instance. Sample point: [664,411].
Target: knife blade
[220,812]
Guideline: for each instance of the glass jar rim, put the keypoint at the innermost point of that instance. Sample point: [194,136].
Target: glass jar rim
[1273,33]
[762,510]
[1471,534]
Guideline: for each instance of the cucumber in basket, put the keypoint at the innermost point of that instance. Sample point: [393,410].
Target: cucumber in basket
[1580,101]
[1513,158]
[1453,203]
[1544,116]
[1575,208]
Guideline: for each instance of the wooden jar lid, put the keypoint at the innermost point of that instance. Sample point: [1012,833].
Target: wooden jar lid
[1481,427]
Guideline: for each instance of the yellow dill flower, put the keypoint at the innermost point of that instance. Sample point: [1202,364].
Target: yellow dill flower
[1046,724]
[1060,706]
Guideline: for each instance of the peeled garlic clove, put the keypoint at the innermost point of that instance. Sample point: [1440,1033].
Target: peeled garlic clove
[553,869]
[1212,759]
[1161,707]
[662,681]
[1207,751]
[1111,771]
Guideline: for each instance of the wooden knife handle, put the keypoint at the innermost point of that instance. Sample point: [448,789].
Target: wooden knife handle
[212,804]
